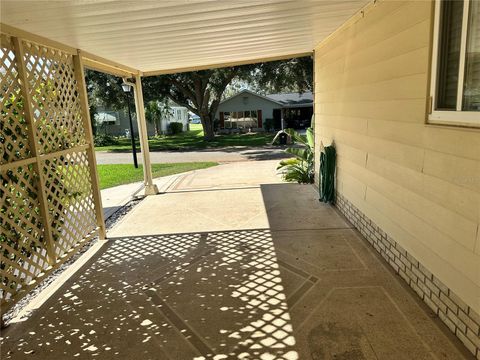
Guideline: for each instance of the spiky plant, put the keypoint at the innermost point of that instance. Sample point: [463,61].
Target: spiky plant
[300,168]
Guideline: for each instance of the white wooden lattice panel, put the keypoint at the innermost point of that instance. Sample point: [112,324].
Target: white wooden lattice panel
[55,98]
[21,230]
[70,199]
[13,125]
[47,204]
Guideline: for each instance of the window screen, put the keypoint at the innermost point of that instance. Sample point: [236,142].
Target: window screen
[449,53]
[471,92]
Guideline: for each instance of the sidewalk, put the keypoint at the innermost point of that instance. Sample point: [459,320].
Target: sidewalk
[118,196]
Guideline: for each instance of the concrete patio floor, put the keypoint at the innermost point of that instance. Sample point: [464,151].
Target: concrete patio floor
[232,263]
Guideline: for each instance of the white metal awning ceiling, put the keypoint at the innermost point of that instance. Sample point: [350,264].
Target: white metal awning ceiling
[161,36]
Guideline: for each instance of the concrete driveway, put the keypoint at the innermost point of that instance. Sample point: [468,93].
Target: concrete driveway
[231,263]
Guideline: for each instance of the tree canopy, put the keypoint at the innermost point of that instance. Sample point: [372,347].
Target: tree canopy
[294,75]
[105,90]
[202,91]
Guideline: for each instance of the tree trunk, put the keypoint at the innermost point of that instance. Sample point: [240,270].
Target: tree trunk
[207,123]
[157,131]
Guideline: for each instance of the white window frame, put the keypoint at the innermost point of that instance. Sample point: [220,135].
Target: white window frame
[450,117]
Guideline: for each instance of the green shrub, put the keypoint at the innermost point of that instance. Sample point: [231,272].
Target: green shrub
[104,140]
[175,128]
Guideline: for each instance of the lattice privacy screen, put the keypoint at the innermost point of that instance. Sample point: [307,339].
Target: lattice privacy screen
[47,203]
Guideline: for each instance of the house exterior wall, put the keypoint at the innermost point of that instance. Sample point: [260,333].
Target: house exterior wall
[399,180]
[179,114]
[237,103]
[122,123]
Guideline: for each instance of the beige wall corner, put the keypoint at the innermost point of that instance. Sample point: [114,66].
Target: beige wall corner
[419,183]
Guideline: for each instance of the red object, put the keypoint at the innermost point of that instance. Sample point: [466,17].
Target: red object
[260,123]
[221,125]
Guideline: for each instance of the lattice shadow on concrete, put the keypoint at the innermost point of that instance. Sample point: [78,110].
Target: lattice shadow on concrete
[198,295]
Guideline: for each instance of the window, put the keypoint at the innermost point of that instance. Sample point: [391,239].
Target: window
[240,119]
[178,114]
[226,120]
[233,119]
[455,88]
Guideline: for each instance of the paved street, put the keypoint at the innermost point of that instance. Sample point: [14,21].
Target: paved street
[219,155]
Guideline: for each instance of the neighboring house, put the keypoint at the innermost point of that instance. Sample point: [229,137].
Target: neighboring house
[179,114]
[249,110]
[116,122]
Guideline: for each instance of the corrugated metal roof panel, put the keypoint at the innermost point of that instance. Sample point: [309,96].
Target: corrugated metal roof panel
[163,35]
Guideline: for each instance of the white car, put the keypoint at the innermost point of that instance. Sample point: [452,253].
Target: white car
[195,119]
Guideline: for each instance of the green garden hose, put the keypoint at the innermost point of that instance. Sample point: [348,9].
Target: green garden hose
[327,174]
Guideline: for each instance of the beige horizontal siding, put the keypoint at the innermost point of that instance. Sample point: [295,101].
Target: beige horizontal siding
[378,71]
[356,38]
[411,110]
[420,183]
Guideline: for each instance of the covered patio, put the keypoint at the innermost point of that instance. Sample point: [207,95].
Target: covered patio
[48,160]
[231,262]
[233,267]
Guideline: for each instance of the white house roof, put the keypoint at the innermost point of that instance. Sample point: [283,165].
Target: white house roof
[293,99]
[282,99]
[174,35]
[249,92]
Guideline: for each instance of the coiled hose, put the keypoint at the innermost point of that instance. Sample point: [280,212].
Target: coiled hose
[327,174]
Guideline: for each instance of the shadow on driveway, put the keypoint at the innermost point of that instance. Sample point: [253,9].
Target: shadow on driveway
[308,286]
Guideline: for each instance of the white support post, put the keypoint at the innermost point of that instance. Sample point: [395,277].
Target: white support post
[150,187]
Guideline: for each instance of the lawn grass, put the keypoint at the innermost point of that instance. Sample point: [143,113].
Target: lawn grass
[193,140]
[119,174]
